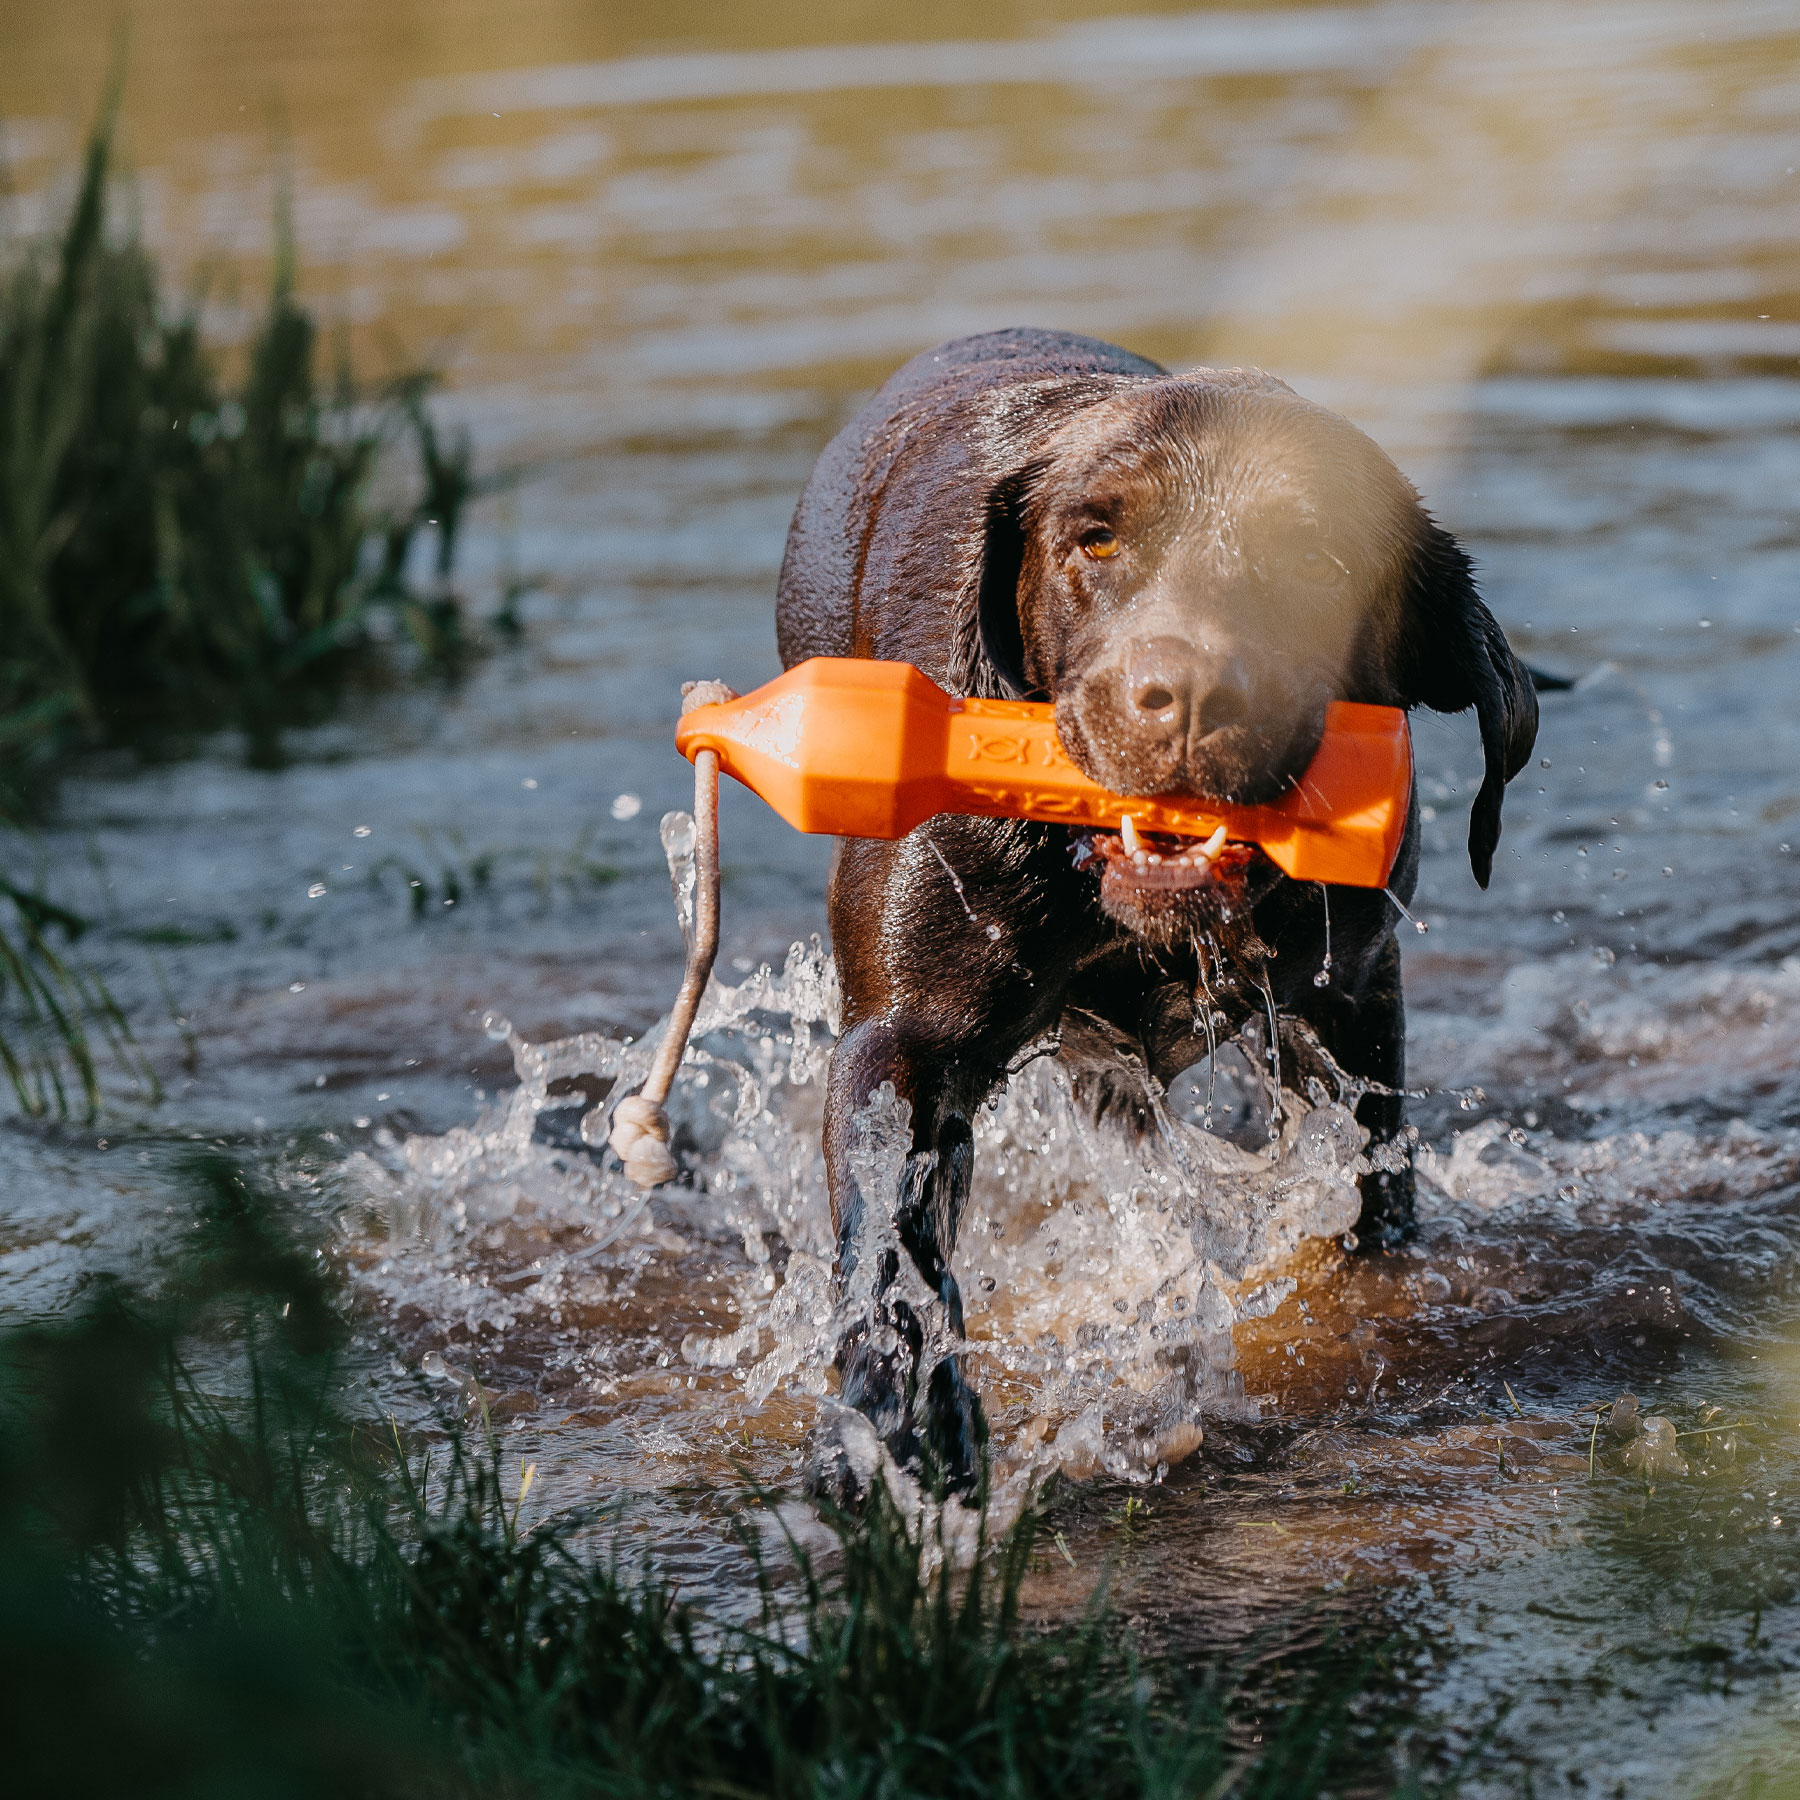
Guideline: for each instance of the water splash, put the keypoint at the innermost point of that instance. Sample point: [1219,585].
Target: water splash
[680,840]
[1110,1276]
[1102,1270]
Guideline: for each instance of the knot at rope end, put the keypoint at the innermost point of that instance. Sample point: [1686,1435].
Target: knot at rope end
[695,694]
[640,1138]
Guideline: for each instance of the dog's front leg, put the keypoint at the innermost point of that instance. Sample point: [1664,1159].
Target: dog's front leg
[1366,1036]
[953,952]
[896,1232]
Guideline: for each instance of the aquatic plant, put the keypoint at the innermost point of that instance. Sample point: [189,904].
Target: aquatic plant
[180,549]
[229,1583]
[52,1007]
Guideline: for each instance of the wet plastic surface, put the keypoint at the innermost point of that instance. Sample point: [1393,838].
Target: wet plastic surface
[872,749]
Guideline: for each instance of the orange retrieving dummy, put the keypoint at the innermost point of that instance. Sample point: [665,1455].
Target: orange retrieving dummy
[871,749]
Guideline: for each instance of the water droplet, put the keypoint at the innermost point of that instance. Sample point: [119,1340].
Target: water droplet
[316,891]
[433,1365]
[528,782]
[497,1027]
[1661,786]
[360,831]
[993,932]
[296,987]
[1418,925]
[626,806]
[1543,762]
[1667,870]
[1603,956]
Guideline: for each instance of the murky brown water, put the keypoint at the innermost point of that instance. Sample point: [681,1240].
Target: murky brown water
[1547,255]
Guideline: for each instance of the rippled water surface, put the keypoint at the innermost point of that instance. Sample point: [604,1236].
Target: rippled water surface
[1547,256]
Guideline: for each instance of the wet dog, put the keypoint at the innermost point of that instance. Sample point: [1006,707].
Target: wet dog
[1190,567]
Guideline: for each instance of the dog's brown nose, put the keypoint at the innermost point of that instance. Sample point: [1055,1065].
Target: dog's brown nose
[1184,688]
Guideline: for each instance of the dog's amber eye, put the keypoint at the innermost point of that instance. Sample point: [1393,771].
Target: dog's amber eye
[1099,543]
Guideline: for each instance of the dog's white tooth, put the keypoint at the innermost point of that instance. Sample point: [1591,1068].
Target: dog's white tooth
[1213,844]
[1154,857]
[1184,862]
[1128,831]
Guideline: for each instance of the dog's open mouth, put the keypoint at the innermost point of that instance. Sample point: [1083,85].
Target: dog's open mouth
[1133,862]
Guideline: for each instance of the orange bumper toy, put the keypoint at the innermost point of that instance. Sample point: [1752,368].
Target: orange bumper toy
[856,748]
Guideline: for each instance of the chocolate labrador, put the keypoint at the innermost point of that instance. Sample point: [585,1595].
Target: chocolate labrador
[1189,567]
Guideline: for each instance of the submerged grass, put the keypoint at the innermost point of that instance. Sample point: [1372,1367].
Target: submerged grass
[182,551]
[222,1583]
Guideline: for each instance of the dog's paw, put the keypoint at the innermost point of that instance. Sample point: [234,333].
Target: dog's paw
[955,1431]
[922,1411]
[843,1460]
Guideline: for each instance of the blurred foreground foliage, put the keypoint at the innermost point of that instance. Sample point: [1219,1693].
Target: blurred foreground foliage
[214,1580]
[180,551]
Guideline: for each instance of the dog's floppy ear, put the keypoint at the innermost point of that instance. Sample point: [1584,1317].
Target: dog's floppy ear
[1460,658]
[997,602]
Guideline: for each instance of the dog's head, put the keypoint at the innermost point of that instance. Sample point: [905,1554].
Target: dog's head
[1191,569]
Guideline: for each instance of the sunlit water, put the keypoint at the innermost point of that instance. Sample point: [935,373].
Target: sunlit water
[1547,256]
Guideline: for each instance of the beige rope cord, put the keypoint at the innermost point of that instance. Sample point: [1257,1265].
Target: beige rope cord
[640,1122]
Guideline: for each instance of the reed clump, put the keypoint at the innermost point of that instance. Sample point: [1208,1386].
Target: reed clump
[53,1009]
[182,548]
[231,1585]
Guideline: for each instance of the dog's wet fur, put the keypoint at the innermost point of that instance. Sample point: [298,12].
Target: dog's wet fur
[1190,567]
